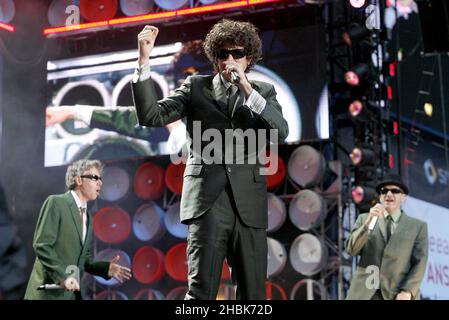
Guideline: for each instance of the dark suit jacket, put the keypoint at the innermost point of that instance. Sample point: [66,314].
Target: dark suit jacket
[201,99]
[58,247]
[401,261]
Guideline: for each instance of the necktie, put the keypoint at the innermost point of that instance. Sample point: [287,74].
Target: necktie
[84,222]
[388,226]
[232,97]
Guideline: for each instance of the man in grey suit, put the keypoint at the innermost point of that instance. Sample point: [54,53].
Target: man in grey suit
[223,199]
[393,248]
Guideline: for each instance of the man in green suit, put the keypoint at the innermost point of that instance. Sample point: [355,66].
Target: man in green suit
[63,238]
[223,201]
[392,246]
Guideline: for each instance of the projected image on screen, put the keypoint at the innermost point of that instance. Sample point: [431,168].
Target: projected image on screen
[90,111]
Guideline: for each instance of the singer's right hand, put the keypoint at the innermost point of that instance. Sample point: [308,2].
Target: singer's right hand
[145,40]
[376,211]
[70,284]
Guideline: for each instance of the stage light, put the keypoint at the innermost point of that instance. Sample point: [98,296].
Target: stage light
[357,74]
[206,2]
[136,7]
[171,4]
[363,195]
[362,156]
[357,3]
[362,111]
[428,109]
[308,168]
[355,34]
[7,11]
[307,210]
[395,128]
[391,161]
[355,108]
[308,254]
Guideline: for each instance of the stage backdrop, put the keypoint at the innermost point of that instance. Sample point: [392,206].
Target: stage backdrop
[293,61]
[436,280]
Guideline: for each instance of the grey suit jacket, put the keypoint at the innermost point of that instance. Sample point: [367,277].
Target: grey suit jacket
[401,262]
[201,99]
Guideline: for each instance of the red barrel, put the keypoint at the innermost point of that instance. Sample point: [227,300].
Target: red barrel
[174,177]
[176,262]
[275,179]
[148,265]
[275,291]
[98,10]
[112,225]
[149,181]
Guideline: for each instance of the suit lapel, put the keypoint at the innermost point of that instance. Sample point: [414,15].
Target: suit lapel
[75,213]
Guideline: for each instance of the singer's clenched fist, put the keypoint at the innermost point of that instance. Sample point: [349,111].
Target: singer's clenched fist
[375,211]
[145,40]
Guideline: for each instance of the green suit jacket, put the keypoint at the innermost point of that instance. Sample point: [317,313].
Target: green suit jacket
[59,249]
[201,99]
[124,121]
[401,262]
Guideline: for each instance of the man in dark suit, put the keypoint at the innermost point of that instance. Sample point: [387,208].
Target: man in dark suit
[393,248]
[224,193]
[63,238]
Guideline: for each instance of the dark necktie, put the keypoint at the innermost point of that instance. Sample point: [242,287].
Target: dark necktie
[232,97]
[388,226]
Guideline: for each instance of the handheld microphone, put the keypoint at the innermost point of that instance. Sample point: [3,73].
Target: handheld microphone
[372,223]
[235,78]
[53,286]
[374,219]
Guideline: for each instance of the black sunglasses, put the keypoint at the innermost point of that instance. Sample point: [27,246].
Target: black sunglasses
[393,191]
[236,53]
[92,177]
